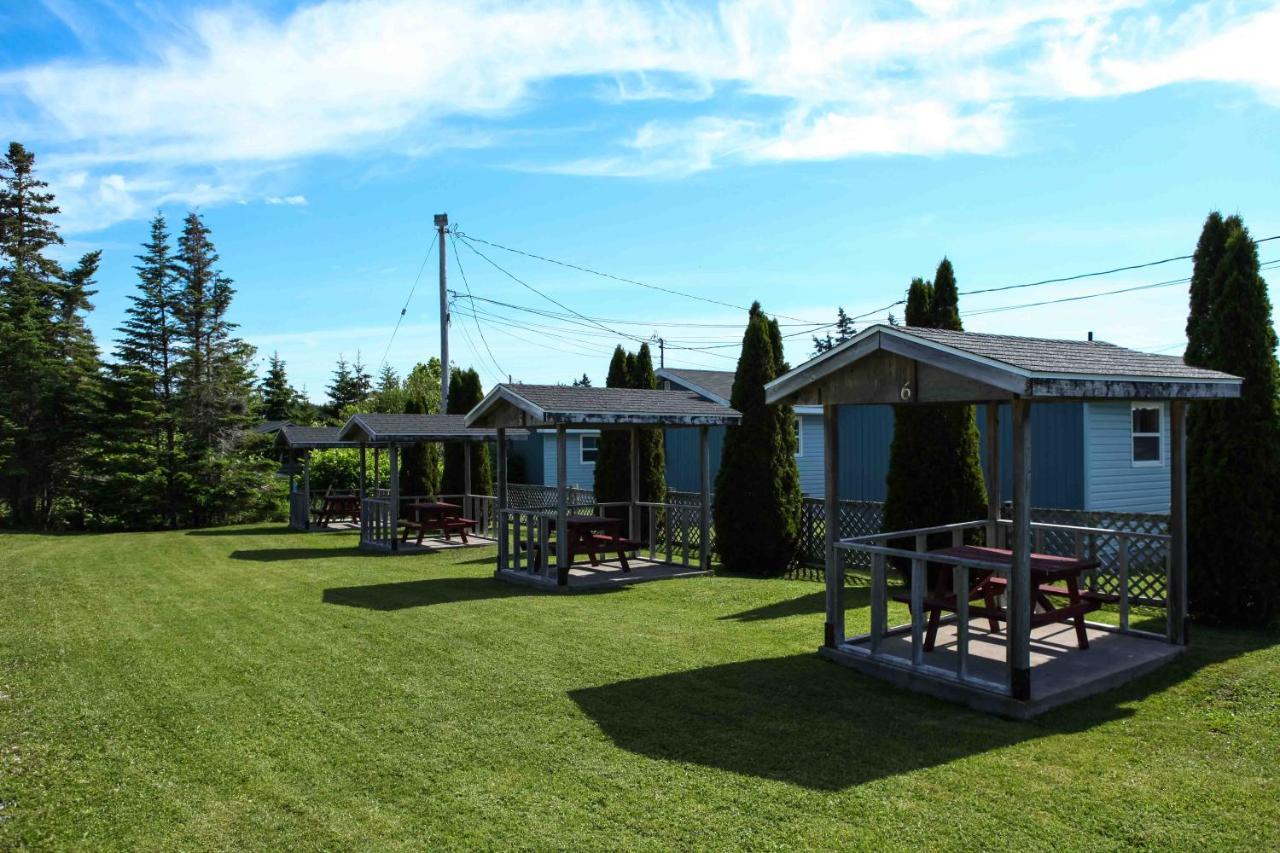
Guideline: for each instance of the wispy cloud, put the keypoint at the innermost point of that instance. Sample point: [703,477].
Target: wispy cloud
[226,99]
[291,200]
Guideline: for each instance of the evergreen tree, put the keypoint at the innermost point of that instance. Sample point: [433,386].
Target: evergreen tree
[145,352]
[653,462]
[1233,446]
[344,391]
[843,328]
[465,392]
[48,362]
[222,475]
[757,501]
[279,400]
[935,472]
[613,454]
[421,466]
[584,382]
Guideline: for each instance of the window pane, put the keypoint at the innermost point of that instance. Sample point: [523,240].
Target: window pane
[1146,420]
[1146,448]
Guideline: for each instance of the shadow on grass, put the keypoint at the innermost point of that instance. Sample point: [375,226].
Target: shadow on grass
[812,723]
[424,593]
[280,529]
[275,555]
[813,603]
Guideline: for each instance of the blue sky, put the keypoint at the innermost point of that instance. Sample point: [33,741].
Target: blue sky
[807,155]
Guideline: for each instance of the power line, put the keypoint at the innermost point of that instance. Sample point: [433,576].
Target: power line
[622,279]
[407,300]
[457,259]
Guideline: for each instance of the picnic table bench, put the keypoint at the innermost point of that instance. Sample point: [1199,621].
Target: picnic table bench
[1052,577]
[338,505]
[591,535]
[436,515]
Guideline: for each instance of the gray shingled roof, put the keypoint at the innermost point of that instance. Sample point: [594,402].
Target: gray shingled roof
[312,438]
[567,404]
[1042,368]
[1049,355]
[718,383]
[383,428]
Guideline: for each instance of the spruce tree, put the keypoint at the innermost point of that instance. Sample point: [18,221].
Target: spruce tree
[146,350]
[935,472]
[48,362]
[1233,446]
[465,392]
[279,400]
[343,391]
[757,500]
[653,461]
[420,467]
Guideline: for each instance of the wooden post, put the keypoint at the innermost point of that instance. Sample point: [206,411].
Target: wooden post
[562,509]
[633,510]
[833,634]
[393,471]
[466,478]
[377,468]
[363,448]
[1019,588]
[501,474]
[1176,582]
[704,488]
[306,484]
[993,475]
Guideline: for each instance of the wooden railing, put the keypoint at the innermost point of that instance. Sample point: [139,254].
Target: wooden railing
[528,536]
[299,511]
[878,549]
[482,508]
[377,526]
[675,532]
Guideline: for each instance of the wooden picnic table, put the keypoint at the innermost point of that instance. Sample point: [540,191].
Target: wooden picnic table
[436,515]
[339,505]
[1053,578]
[592,535]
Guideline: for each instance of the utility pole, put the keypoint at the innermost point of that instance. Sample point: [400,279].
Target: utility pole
[442,225]
[662,351]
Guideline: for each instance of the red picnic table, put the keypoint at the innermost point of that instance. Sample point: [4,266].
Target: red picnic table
[1052,577]
[591,535]
[437,515]
[339,505]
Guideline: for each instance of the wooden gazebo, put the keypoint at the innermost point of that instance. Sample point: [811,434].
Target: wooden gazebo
[528,554]
[1031,645]
[382,511]
[295,444]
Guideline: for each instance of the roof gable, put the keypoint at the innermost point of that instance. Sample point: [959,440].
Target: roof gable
[894,364]
[715,385]
[380,428]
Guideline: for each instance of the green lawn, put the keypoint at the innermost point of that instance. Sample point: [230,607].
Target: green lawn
[251,688]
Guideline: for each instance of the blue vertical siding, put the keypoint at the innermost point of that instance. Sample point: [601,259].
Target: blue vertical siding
[866,432]
[1114,482]
[577,474]
[1057,454]
[682,457]
[810,460]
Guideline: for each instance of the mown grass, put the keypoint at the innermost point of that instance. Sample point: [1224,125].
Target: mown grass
[248,688]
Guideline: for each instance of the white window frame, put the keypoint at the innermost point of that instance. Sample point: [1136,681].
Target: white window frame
[1146,463]
[582,448]
[799,435]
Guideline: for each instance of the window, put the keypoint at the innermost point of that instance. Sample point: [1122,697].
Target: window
[589,447]
[799,436]
[1148,443]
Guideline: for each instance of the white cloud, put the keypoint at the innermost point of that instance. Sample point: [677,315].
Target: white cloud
[291,200]
[219,101]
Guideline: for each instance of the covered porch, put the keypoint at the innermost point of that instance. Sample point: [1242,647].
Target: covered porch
[1006,615]
[392,522]
[307,512]
[590,543]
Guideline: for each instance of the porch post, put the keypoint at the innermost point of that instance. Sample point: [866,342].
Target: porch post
[393,471]
[501,474]
[834,629]
[633,508]
[1018,605]
[362,474]
[466,478]
[993,475]
[562,510]
[377,468]
[1176,582]
[704,487]
[306,484]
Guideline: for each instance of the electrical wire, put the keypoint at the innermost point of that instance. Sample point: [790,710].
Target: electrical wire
[457,259]
[407,300]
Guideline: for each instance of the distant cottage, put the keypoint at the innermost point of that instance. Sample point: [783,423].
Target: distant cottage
[1099,456]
